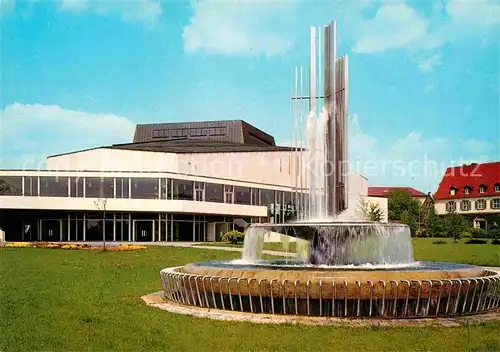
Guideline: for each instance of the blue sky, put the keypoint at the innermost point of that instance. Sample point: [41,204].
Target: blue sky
[424,76]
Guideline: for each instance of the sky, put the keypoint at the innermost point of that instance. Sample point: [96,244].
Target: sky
[424,81]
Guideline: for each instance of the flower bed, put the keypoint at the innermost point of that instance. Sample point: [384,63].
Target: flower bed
[74,246]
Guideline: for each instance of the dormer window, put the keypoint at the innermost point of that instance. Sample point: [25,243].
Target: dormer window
[497,187]
[453,191]
[467,189]
[482,188]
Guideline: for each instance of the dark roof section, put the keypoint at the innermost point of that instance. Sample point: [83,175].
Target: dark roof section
[183,146]
[236,131]
[384,191]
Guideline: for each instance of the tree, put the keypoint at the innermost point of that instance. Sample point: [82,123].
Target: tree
[371,211]
[403,208]
[454,225]
[4,187]
[101,206]
[435,227]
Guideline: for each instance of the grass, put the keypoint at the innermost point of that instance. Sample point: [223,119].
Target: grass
[81,300]
[424,249]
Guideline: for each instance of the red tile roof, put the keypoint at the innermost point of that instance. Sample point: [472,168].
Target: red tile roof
[472,175]
[383,191]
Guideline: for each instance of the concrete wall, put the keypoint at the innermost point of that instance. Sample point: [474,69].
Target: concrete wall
[106,159]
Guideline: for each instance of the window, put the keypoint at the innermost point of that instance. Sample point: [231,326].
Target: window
[99,187]
[497,187]
[182,189]
[199,191]
[30,185]
[480,204]
[228,194]
[51,186]
[451,206]
[165,188]
[465,205]
[266,197]
[144,188]
[11,186]
[495,203]
[242,195]
[255,195]
[482,188]
[76,186]
[214,193]
[122,187]
[453,191]
[467,189]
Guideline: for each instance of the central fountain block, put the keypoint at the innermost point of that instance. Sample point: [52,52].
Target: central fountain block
[342,243]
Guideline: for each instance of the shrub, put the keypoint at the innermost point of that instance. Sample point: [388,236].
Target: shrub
[495,241]
[440,242]
[476,241]
[479,233]
[233,237]
[494,233]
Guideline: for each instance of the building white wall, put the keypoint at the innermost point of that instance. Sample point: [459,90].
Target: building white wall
[126,205]
[107,159]
[441,206]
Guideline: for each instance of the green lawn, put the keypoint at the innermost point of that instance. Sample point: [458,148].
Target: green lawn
[425,249]
[82,300]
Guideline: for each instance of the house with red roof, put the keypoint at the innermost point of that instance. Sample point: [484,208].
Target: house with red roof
[471,189]
[383,192]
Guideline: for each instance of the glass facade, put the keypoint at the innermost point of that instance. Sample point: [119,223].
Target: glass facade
[144,188]
[129,226]
[214,193]
[182,189]
[11,186]
[53,186]
[99,187]
[242,195]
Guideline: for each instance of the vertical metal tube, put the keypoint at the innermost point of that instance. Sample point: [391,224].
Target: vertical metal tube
[345,120]
[296,137]
[293,103]
[312,71]
[301,124]
[333,159]
[327,98]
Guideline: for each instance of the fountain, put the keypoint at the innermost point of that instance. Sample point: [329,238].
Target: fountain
[343,266]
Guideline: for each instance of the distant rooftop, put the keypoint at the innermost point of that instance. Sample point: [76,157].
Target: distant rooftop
[198,137]
[236,131]
[384,191]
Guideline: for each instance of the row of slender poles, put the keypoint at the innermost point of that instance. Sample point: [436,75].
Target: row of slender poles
[331,87]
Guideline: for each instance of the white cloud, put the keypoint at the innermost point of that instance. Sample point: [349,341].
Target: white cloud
[30,133]
[412,160]
[398,25]
[476,146]
[395,25]
[236,27]
[428,64]
[145,11]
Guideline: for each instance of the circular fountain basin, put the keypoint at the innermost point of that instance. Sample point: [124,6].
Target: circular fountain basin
[416,290]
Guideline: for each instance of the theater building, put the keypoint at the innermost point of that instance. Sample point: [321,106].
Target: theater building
[174,182]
